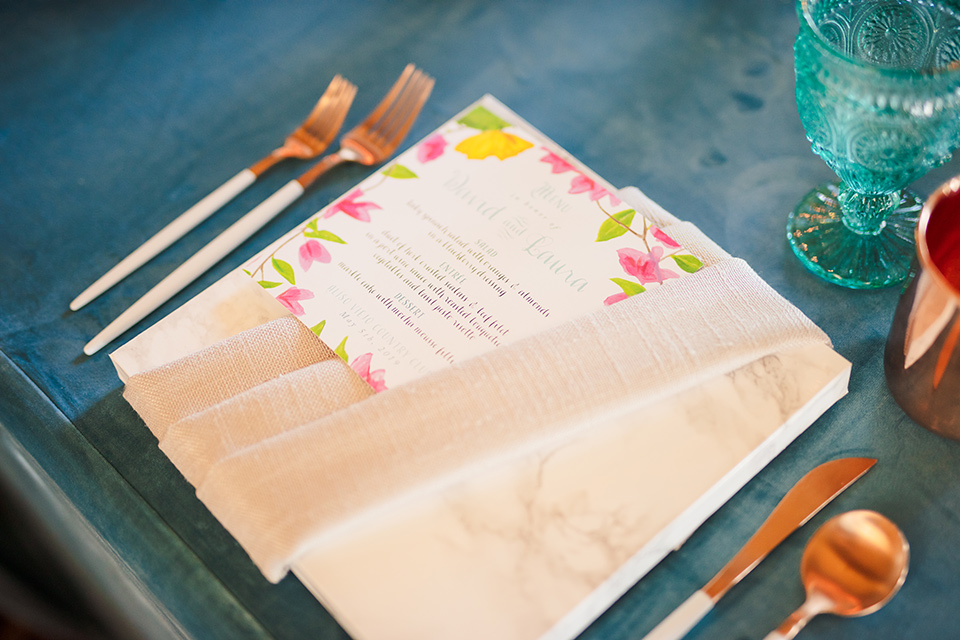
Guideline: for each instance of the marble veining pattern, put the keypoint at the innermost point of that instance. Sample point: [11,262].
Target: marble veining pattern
[540,545]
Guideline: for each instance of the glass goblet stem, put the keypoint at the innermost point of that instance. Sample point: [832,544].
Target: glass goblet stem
[866,214]
[864,242]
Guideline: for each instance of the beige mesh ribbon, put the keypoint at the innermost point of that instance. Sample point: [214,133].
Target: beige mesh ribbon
[195,443]
[191,384]
[283,453]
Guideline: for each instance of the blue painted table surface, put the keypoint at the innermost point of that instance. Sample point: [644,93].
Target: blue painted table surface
[117,116]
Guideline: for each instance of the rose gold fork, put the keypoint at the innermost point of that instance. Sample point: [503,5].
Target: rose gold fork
[374,139]
[308,141]
[371,142]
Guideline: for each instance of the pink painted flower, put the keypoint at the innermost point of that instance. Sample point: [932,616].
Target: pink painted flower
[664,238]
[558,164]
[291,299]
[583,184]
[431,148]
[354,209]
[374,378]
[312,251]
[645,267]
[615,298]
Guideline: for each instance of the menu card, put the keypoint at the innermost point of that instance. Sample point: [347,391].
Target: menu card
[482,234]
[482,527]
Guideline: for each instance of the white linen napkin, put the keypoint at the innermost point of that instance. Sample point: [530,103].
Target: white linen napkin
[283,453]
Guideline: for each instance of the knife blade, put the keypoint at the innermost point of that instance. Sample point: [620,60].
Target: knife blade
[803,501]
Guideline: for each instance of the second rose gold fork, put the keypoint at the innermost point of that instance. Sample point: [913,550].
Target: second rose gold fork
[374,139]
[308,141]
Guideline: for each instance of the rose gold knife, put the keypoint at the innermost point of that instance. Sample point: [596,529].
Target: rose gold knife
[811,494]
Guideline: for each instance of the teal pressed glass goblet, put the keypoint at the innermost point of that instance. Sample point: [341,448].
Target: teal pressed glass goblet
[878,92]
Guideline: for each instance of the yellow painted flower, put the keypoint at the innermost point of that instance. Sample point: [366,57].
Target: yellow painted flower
[493,142]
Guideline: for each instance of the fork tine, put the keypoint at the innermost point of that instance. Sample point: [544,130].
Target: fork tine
[397,106]
[334,87]
[395,125]
[398,100]
[378,132]
[388,99]
[337,112]
[328,115]
[399,132]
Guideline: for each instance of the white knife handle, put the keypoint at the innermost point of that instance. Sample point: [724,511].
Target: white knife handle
[683,618]
[193,268]
[168,235]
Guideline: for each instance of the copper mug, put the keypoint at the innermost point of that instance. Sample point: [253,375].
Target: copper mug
[922,358]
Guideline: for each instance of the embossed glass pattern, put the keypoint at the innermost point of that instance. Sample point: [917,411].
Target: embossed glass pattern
[878,92]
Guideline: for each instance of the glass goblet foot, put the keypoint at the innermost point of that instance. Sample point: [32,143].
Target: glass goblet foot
[841,249]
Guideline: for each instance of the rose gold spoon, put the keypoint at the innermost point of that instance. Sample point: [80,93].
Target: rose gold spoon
[852,566]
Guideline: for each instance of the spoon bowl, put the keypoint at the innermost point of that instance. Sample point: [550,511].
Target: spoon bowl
[853,565]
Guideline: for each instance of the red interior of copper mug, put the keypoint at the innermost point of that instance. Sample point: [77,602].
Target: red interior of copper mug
[939,236]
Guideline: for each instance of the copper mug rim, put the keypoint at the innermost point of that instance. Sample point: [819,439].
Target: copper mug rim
[949,188]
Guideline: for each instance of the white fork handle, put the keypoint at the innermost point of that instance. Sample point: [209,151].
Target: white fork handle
[683,618]
[168,235]
[193,268]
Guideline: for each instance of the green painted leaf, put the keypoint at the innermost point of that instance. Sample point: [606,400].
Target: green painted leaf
[248,273]
[317,328]
[267,284]
[398,171]
[483,119]
[341,350]
[615,226]
[312,225]
[285,270]
[628,286]
[323,234]
[331,236]
[687,262]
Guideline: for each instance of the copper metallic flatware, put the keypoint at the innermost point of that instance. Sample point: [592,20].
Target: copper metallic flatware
[852,566]
[309,140]
[369,143]
[807,497]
